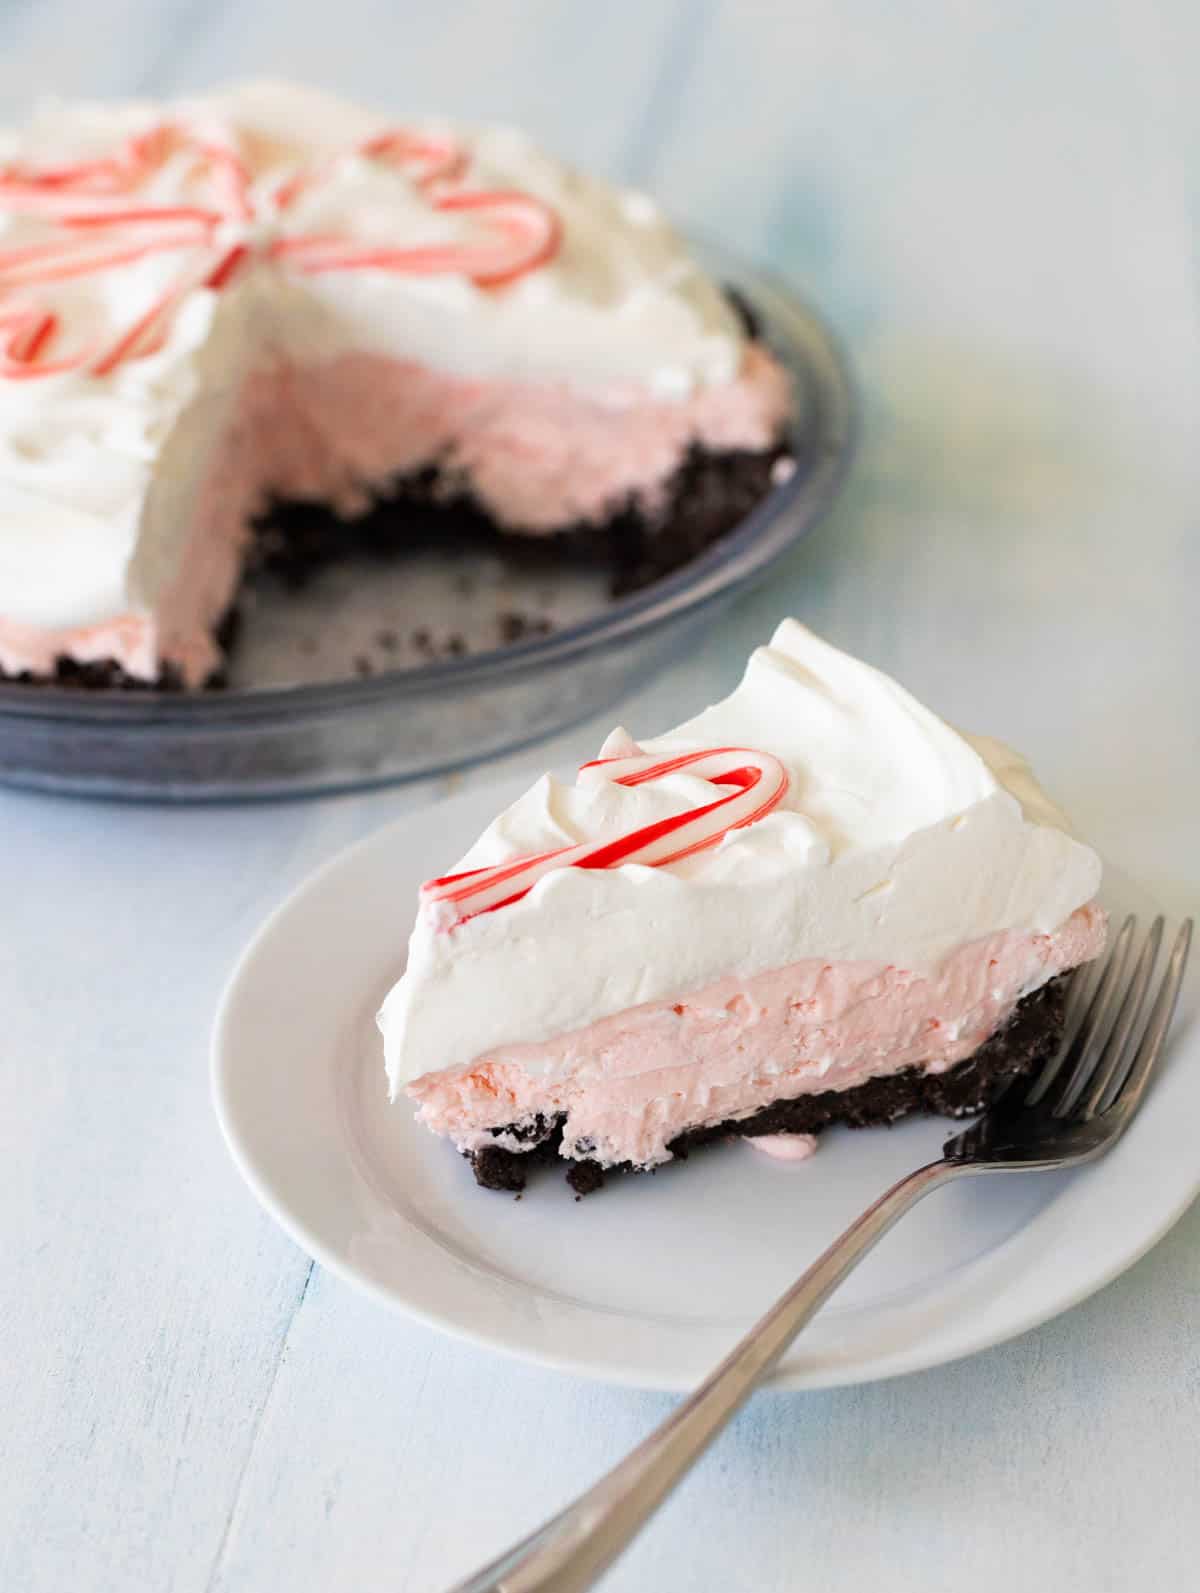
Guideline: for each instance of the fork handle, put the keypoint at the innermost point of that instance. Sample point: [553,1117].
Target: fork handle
[575,1547]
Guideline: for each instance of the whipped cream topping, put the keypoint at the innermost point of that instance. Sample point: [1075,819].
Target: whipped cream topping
[899,839]
[620,312]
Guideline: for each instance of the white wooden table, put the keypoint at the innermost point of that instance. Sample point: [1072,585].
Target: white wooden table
[996,204]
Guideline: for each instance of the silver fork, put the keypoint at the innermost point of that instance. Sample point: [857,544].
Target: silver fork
[1078,1107]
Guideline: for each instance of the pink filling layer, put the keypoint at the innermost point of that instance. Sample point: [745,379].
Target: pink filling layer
[537,456]
[631,1083]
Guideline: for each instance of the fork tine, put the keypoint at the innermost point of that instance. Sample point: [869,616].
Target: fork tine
[1076,1034]
[1113,1065]
[1093,1035]
[1131,1089]
[1079,993]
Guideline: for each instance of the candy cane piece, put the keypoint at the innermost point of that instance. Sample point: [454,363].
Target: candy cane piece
[525,234]
[759,780]
[60,259]
[427,160]
[98,190]
[435,158]
[529,227]
[25,333]
[149,332]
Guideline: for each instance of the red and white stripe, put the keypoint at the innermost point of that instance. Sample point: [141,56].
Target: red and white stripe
[519,233]
[758,781]
[25,334]
[425,159]
[99,227]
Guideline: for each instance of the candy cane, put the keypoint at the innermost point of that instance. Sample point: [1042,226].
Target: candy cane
[98,190]
[525,234]
[76,256]
[100,229]
[25,333]
[425,159]
[148,333]
[759,781]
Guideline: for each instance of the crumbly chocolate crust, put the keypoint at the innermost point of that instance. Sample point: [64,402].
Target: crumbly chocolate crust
[709,494]
[1018,1049]
[104,675]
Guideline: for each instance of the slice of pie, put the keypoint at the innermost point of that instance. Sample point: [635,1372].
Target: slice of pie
[268,327]
[814,903]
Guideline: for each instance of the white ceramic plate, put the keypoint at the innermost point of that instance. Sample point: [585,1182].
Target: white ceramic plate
[650,1281]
